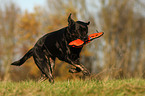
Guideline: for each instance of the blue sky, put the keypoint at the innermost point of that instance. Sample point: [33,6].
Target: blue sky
[92,5]
[29,4]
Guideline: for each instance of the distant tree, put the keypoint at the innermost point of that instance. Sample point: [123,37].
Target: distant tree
[8,19]
[124,38]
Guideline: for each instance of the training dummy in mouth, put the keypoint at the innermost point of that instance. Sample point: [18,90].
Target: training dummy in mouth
[79,43]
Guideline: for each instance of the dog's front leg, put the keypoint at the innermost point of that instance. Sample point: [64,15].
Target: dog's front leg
[79,67]
[83,69]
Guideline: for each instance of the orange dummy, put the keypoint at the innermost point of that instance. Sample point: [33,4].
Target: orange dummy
[79,43]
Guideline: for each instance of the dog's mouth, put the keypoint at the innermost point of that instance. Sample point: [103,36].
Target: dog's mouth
[84,38]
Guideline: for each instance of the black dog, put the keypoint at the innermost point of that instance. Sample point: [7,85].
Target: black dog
[56,44]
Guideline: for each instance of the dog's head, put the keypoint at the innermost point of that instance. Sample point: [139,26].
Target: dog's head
[78,29]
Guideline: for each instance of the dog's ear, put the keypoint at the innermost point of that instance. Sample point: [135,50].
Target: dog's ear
[70,21]
[88,23]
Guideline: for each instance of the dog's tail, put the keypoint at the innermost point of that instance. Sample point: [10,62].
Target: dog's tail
[24,58]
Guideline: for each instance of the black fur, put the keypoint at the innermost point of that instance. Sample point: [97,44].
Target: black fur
[55,45]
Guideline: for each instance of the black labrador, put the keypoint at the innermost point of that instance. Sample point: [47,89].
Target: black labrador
[56,44]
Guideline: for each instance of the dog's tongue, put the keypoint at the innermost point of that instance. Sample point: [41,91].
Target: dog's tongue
[77,42]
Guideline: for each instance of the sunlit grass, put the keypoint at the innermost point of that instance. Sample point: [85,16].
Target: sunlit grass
[128,87]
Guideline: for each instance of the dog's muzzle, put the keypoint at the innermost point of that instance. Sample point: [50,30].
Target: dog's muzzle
[84,38]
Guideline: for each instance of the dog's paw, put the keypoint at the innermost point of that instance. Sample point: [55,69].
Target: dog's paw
[42,78]
[73,70]
[86,73]
[51,81]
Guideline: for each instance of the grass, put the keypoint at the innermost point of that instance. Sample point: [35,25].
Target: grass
[126,87]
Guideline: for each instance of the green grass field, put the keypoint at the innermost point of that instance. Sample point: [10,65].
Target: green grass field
[126,87]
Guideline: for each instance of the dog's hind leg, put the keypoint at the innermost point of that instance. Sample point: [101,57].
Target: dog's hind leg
[52,63]
[43,64]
